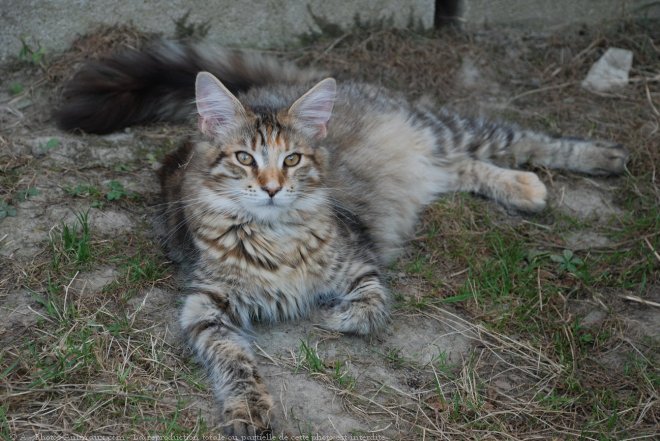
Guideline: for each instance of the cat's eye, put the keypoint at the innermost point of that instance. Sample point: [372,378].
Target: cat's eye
[245,158]
[292,160]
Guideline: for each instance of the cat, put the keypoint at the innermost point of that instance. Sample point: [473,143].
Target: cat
[300,190]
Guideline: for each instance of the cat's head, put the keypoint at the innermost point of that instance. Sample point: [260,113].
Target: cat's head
[263,162]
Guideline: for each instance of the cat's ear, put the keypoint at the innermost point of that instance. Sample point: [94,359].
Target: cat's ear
[219,111]
[312,111]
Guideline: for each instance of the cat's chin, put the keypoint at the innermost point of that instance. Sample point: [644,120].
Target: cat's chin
[268,212]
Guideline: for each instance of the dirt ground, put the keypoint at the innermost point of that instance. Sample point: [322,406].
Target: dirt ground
[505,325]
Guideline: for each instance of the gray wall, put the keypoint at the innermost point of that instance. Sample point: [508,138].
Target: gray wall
[269,23]
[552,14]
[247,23]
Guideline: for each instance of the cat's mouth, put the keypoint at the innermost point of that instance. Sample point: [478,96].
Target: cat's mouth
[270,203]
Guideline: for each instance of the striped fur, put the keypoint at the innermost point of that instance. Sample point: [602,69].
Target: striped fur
[270,241]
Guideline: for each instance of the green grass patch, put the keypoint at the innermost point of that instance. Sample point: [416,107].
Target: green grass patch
[72,246]
[83,190]
[342,377]
[16,88]
[115,191]
[31,51]
[142,269]
[6,210]
[310,358]
[25,194]
[71,361]
[176,426]
[5,433]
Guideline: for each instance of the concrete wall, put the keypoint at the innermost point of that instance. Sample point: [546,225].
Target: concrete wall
[270,23]
[551,14]
[246,23]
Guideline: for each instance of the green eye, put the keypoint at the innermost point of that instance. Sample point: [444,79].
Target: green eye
[292,159]
[245,158]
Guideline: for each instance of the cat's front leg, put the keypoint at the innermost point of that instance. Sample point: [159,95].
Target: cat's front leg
[362,307]
[219,345]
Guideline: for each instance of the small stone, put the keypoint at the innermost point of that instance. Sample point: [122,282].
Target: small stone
[594,319]
[585,240]
[119,137]
[469,75]
[610,71]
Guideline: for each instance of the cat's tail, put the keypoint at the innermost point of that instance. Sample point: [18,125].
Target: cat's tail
[158,83]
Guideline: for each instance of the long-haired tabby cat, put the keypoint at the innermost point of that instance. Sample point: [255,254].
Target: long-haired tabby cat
[298,191]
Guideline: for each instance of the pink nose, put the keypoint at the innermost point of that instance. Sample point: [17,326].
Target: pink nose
[272,191]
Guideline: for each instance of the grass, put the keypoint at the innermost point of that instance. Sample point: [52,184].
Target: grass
[6,210]
[141,269]
[16,88]
[5,434]
[101,360]
[92,350]
[342,376]
[83,190]
[116,191]
[27,193]
[393,357]
[72,246]
[516,287]
[310,359]
[31,51]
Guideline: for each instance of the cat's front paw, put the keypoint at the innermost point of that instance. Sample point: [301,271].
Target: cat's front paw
[249,415]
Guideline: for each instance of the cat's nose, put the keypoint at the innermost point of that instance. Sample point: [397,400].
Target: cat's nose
[272,191]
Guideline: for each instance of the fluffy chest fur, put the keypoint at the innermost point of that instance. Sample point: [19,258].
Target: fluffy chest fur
[269,271]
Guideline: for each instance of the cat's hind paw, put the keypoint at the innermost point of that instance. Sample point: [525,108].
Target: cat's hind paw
[524,191]
[605,158]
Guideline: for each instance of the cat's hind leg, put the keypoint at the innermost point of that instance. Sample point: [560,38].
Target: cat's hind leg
[496,144]
[511,146]
[515,189]
[468,149]
[585,156]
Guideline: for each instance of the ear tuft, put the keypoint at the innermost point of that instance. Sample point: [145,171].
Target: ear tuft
[313,110]
[219,111]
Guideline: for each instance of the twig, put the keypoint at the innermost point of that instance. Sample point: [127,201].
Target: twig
[586,50]
[648,97]
[652,79]
[66,291]
[331,46]
[538,284]
[545,227]
[265,354]
[540,90]
[642,301]
[655,253]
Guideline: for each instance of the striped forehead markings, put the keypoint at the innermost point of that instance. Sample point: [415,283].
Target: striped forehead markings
[259,139]
[268,136]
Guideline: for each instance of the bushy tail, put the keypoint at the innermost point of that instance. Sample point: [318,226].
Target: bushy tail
[158,83]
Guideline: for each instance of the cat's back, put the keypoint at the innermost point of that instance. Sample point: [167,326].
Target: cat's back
[382,162]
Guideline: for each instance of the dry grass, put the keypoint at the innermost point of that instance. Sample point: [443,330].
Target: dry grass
[81,361]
